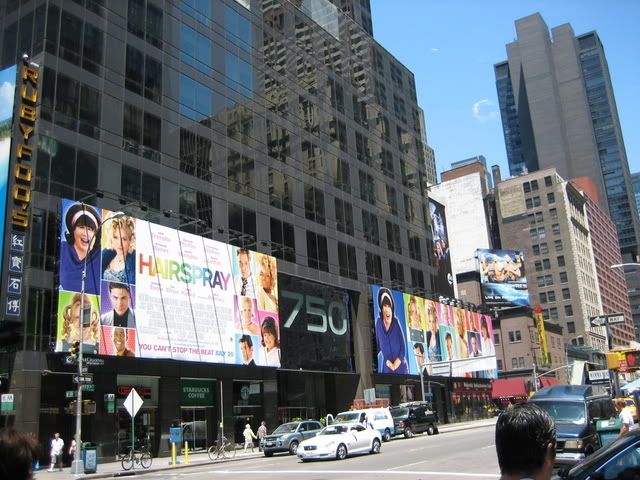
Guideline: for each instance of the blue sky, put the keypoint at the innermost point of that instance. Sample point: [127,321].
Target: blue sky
[452,45]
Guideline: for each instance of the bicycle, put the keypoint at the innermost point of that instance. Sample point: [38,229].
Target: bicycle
[225,451]
[137,457]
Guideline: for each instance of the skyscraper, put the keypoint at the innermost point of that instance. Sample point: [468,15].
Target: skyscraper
[558,110]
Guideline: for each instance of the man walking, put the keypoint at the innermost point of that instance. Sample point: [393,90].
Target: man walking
[262,432]
[57,445]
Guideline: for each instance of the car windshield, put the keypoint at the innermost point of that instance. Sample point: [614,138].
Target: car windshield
[286,428]
[334,430]
[565,412]
[399,412]
[347,417]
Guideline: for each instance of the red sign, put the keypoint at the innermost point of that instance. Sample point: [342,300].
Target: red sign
[123,391]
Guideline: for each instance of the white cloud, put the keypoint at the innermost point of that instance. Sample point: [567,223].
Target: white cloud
[435,50]
[484,110]
[7,91]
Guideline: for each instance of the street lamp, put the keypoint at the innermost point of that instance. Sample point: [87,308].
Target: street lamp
[622,265]
[77,467]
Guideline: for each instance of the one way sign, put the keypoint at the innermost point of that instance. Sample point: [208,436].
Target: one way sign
[602,320]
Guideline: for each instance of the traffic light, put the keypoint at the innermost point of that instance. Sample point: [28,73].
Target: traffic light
[75,350]
[633,360]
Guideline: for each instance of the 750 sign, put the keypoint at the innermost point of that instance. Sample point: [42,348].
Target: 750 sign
[326,315]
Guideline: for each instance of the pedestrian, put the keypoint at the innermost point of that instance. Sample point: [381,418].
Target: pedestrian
[525,443]
[262,432]
[626,419]
[248,437]
[57,446]
[18,453]
[72,450]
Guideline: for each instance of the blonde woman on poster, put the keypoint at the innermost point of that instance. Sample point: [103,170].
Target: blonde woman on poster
[266,293]
[69,322]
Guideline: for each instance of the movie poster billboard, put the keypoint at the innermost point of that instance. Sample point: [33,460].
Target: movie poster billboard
[442,260]
[155,292]
[413,333]
[7,96]
[502,277]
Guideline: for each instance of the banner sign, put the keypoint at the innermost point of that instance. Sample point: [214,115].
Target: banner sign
[412,333]
[155,292]
[7,95]
[502,277]
[444,279]
[542,337]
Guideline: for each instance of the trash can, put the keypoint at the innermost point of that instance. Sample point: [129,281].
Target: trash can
[608,430]
[90,457]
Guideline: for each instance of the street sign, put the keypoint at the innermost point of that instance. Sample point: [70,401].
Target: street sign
[71,394]
[602,320]
[133,402]
[599,376]
[83,378]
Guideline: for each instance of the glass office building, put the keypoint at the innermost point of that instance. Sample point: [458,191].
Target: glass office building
[279,127]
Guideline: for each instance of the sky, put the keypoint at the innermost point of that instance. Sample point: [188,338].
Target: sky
[452,45]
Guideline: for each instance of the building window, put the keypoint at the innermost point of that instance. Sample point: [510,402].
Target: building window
[374,267]
[521,362]
[396,274]
[546,263]
[278,147]
[526,187]
[144,20]
[547,181]
[239,74]
[515,336]
[560,259]
[195,99]
[240,173]
[558,245]
[283,241]
[417,279]
[551,198]
[392,200]
[242,226]
[514,362]
[543,297]
[553,313]
[238,29]
[571,327]
[415,251]
[367,187]
[499,364]
[555,228]
[139,186]
[568,310]
[347,261]
[553,213]
[393,237]
[344,216]
[534,185]
[338,133]
[141,133]
[538,265]
[195,49]
[551,295]
[563,277]
[317,256]
[566,294]
[280,190]
[496,338]
[195,155]
[535,249]
[314,204]
[544,249]
[370,227]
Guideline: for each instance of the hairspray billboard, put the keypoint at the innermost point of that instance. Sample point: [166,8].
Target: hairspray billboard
[413,333]
[7,96]
[442,260]
[155,292]
[502,277]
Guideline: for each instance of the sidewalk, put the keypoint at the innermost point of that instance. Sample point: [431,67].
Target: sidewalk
[114,469]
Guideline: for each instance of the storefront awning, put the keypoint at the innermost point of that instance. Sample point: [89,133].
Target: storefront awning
[508,388]
[548,381]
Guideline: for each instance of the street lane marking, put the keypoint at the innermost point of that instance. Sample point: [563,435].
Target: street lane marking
[298,473]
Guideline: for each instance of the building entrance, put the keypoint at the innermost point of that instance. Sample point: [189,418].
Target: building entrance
[195,426]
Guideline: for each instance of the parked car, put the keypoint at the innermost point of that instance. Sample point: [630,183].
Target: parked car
[414,417]
[379,419]
[621,455]
[340,440]
[288,436]
[575,409]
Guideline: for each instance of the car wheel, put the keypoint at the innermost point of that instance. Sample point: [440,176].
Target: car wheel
[375,446]
[431,429]
[408,433]
[435,430]
[268,453]
[341,452]
[386,436]
[293,448]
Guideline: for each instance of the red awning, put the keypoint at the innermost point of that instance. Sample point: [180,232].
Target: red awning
[548,381]
[508,388]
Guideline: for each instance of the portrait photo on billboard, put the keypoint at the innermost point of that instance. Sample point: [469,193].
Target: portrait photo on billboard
[502,277]
[390,331]
[70,304]
[119,248]
[442,259]
[316,325]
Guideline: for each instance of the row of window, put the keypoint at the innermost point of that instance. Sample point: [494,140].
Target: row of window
[534,202]
[532,186]
[547,280]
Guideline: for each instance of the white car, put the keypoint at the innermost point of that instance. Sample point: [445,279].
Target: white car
[339,440]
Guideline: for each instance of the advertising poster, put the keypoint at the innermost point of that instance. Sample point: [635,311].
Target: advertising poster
[502,277]
[155,292]
[439,338]
[7,95]
[440,235]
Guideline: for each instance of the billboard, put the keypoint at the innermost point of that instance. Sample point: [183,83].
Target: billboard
[316,328]
[442,260]
[7,96]
[502,277]
[413,333]
[155,292]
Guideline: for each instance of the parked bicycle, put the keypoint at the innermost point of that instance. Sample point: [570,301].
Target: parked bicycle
[137,457]
[223,451]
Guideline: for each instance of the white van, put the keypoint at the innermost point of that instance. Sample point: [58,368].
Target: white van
[378,418]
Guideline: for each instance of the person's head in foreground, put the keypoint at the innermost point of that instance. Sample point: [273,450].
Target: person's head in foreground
[17,454]
[525,443]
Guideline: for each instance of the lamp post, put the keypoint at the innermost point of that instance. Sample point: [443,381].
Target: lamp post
[77,467]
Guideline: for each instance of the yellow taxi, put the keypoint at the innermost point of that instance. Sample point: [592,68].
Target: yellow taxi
[630,404]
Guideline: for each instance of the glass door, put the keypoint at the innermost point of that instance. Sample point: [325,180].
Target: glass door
[194,427]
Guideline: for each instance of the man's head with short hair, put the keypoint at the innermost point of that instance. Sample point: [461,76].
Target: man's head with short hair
[120,296]
[525,442]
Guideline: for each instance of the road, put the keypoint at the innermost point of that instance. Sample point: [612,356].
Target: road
[461,454]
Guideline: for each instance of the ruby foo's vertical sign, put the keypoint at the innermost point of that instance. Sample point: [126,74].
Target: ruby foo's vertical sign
[20,189]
